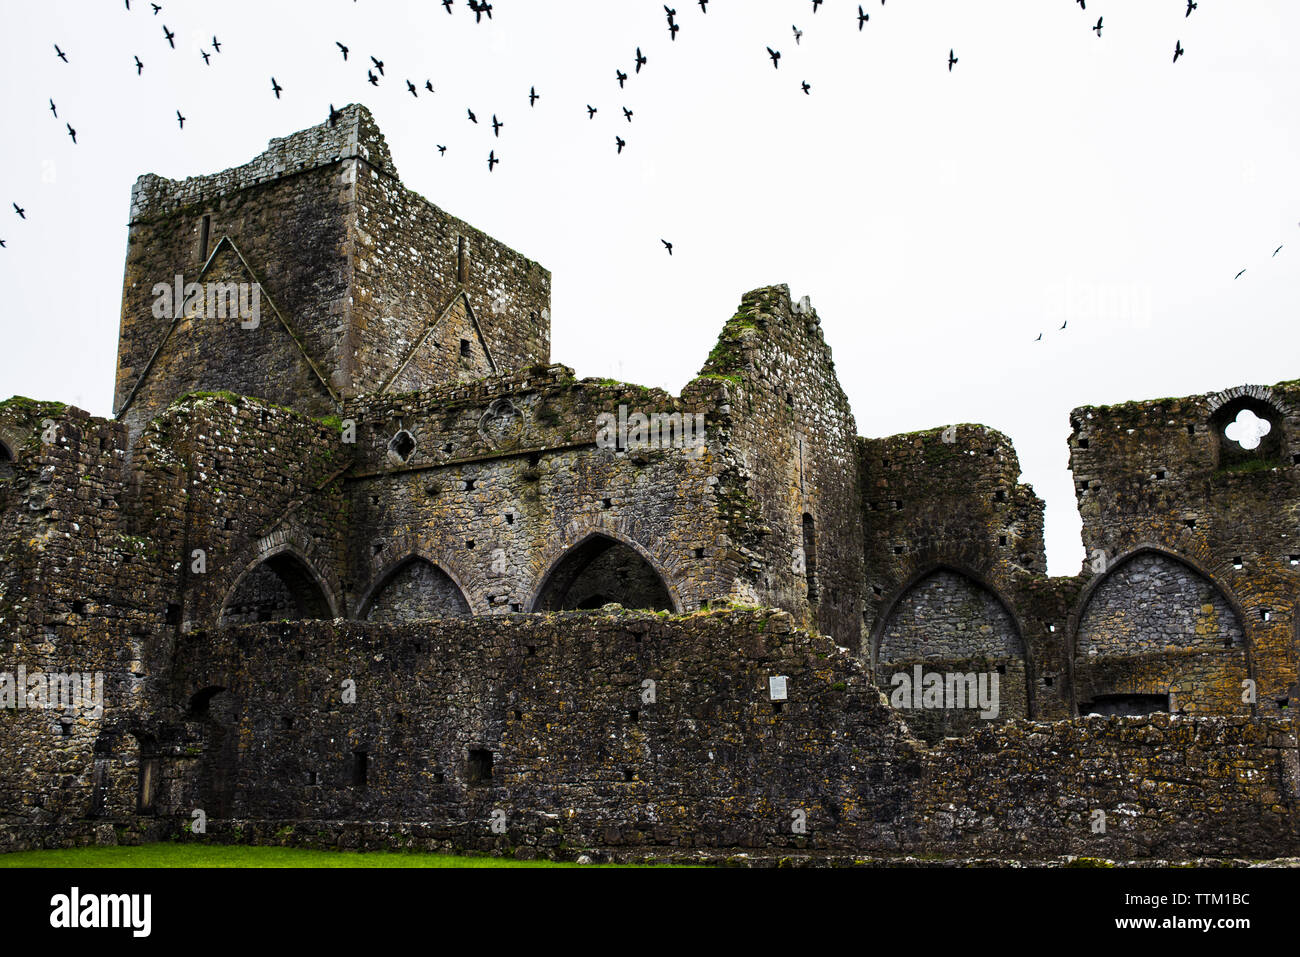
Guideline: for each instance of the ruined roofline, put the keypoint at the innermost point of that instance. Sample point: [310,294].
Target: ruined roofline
[1279,392]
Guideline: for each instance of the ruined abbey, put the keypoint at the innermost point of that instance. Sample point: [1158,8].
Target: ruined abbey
[360,566]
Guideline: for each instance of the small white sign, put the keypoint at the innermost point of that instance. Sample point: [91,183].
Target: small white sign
[776,688]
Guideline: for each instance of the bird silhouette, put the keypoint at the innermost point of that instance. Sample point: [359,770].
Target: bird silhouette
[171,37]
[442,151]
[776,58]
[1064,324]
[22,213]
[1278,250]
[379,65]
[620,142]
[668,246]
[622,78]
[343,48]
[472,117]
[139,67]
[428,85]
[1083,4]
[216,44]
[496,125]
[806,88]
[816,4]
[640,60]
[672,30]
[2,244]
[207,57]
[533,96]
[1240,274]
[798,34]
[1097,28]
[952,60]
[72,133]
[1040,338]
[276,88]
[1191,5]
[180,118]
[1178,50]
[704,6]
[591,112]
[61,55]
[371,78]
[447,4]
[156,9]
[492,161]
[54,109]
[627,113]
[411,88]
[863,17]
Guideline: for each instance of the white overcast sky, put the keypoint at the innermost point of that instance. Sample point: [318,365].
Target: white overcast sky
[939,221]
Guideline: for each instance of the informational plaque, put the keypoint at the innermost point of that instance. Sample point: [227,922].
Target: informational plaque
[776,688]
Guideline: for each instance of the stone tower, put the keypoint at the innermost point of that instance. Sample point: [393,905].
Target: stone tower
[350,283]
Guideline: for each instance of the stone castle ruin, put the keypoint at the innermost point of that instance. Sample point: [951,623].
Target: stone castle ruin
[359,565]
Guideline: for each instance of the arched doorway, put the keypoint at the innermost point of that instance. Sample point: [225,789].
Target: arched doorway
[280,588]
[415,589]
[599,571]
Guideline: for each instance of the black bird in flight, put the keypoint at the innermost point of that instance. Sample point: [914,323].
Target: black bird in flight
[806,88]
[952,58]
[2,244]
[640,59]
[492,161]
[472,117]
[798,34]
[343,48]
[496,125]
[816,4]
[180,118]
[276,88]
[1191,5]
[72,133]
[207,57]
[776,58]
[704,5]
[1097,28]
[1278,250]
[591,112]
[1083,5]
[371,78]
[54,109]
[411,88]
[863,17]
[156,9]
[62,56]
[1040,338]
[668,246]
[622,78]
[22,213]
[1178,50]
[139,67]
[533,96]
[442,151]
[672,30]
[428,85]
[171,37]
[627,113]
[1064,324]
[621,143]
[1240,274]
[670,11]
[216,44]
[379,64]
[447,4]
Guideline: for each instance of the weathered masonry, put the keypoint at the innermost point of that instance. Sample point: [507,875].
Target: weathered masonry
[355,549]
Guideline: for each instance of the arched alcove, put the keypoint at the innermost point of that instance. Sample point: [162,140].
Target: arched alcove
[601,570]
[282,587]
[413,590]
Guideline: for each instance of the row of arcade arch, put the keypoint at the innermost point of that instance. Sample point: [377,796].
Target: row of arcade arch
[1129,629]
[597,571]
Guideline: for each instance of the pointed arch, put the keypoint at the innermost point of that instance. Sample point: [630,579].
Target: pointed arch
[601,569]
[282,584]
[1158,625]
[411,589]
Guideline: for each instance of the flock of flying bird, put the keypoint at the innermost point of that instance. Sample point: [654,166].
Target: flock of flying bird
[483,8]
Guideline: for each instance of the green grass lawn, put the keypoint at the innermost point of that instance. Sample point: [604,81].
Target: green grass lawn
[216,855]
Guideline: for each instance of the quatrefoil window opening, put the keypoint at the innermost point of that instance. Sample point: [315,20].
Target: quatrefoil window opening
[1248,430]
